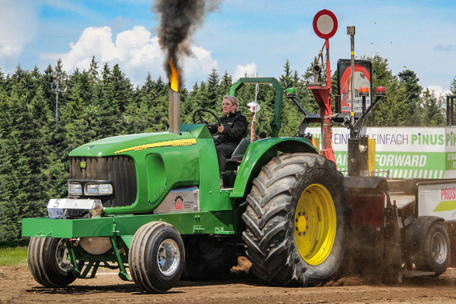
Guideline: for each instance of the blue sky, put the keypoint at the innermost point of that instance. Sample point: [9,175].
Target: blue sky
[239,37]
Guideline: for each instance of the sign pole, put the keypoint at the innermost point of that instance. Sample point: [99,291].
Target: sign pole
[325,26]
[351,32]
[57,90]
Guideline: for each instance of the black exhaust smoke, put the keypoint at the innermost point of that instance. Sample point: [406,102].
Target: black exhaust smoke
[179,19]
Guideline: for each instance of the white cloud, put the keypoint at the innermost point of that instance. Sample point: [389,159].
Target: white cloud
[136,51]
[95,41]
[250,69]
[200,65]
[18,24]
[136,47]
[438,91]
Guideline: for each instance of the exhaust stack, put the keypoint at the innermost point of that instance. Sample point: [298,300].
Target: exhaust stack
[317,72]
[174,100]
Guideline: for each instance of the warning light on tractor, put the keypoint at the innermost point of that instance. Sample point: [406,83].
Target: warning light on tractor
[364,91]
[291,92]
[380,91]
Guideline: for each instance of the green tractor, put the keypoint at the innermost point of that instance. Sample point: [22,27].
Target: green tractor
[153,203]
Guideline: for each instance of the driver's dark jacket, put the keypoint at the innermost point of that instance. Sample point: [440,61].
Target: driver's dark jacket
[235,129]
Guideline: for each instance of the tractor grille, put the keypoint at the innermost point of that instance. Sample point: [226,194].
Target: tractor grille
[119,170]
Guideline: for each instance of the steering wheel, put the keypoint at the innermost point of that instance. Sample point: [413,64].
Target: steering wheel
[197,114]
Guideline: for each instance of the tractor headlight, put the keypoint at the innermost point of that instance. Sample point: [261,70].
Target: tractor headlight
[105,189]
[98,189]
[75,189]
[91,189]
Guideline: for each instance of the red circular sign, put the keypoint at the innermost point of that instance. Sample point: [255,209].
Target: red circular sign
[325,24]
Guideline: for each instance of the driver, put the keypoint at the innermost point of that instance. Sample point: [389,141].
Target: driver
[232,131]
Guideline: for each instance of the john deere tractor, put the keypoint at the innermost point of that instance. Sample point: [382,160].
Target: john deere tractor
[152,203]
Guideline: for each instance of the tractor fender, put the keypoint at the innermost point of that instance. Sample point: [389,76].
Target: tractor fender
[414,239]
[259,153]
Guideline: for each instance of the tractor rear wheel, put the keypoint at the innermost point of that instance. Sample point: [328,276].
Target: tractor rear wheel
[297,220]
[156,257]
[48,260]
[204,260]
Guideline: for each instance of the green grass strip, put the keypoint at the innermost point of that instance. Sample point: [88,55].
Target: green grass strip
[15,256]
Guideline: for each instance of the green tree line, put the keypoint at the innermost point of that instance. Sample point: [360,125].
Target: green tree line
[102,102]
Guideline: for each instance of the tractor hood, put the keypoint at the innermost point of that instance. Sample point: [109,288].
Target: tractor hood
[136,142]
[119,144]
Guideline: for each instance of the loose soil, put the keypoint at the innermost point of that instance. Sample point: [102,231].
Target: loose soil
[17,286]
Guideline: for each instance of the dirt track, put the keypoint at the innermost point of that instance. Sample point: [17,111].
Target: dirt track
[18,286]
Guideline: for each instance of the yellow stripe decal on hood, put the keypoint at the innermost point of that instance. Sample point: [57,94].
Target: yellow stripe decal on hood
[171,143]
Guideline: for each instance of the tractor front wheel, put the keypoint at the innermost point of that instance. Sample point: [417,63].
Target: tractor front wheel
[297,220]
[48,260]
[156,257]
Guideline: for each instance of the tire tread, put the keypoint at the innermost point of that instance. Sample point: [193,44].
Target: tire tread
[270,244]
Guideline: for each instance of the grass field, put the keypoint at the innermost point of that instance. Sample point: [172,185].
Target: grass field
[16,256]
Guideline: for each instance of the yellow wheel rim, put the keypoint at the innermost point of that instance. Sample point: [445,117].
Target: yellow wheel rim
[315,224]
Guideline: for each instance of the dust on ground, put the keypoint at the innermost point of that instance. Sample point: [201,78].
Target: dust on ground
[17,286]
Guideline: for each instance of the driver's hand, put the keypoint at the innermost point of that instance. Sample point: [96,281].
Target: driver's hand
[220,129]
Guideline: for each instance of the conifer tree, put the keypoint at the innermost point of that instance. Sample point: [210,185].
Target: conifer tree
[24,148]
[2,79]
[433,109]
[389,111]
[160,87]
[122,88]
[201,99]
[225,84]
[413,110]
[286,79]
[45,82]
[8,209]
[453,86]
[213,87]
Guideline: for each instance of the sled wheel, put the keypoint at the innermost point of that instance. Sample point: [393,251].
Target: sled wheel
[204,260]
[297,220]
[428,245]
[156,257]
[48,260]
[436,251]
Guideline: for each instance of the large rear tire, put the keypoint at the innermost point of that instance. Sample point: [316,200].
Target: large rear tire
[204,260]
[48,260]
[297,220]
[156,257]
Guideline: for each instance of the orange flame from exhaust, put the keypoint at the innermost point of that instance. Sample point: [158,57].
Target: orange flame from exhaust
[174,79]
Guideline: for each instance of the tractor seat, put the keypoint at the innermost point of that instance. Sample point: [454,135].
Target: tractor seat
[239,152]
[232,165]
